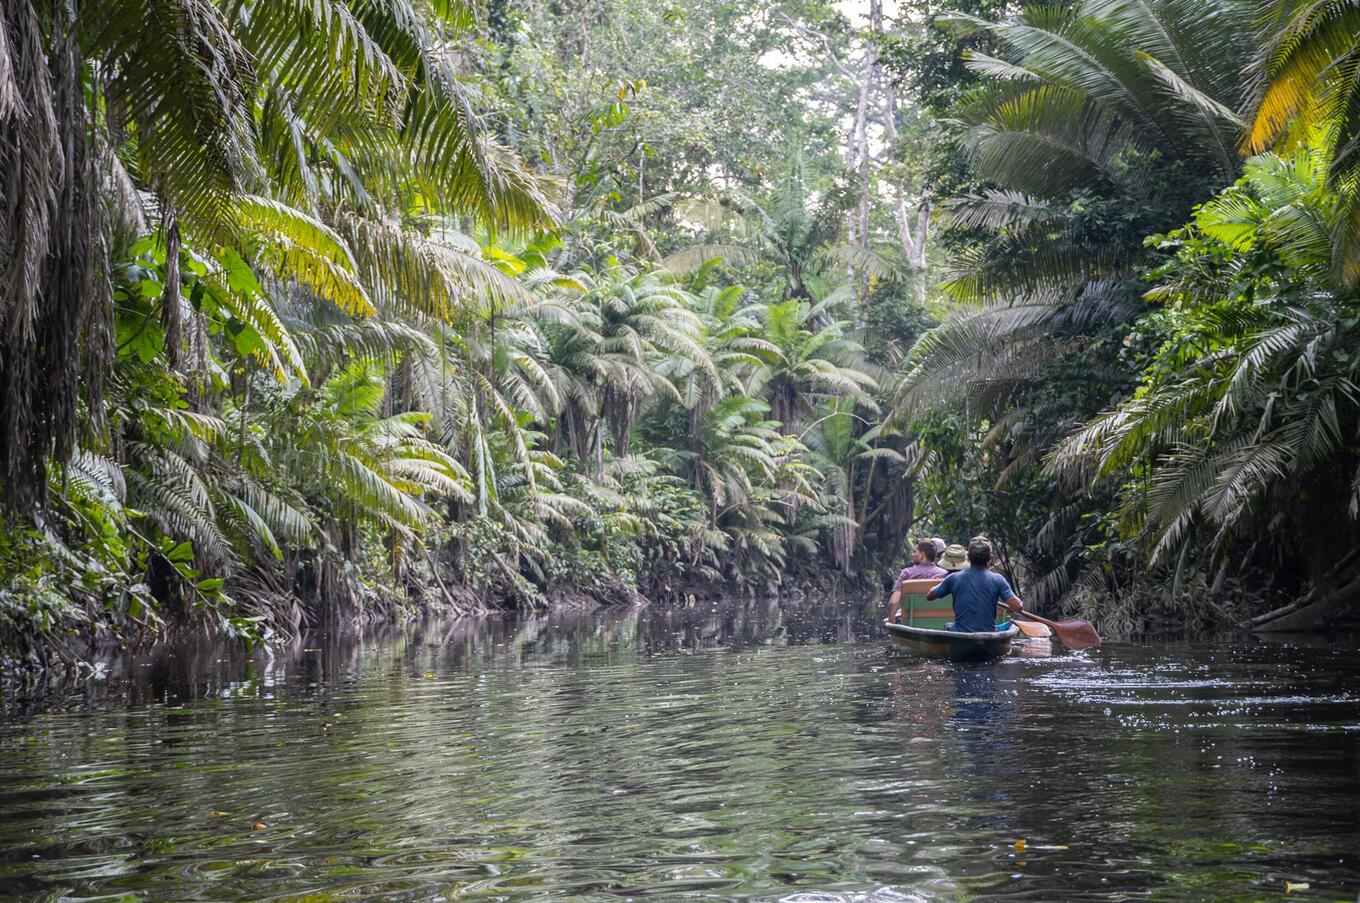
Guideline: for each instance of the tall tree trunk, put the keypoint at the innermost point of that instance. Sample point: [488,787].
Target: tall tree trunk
[784,407]
[848,530]
[889,111]
[172,314]
[872,73]
[858,159]
[914,241]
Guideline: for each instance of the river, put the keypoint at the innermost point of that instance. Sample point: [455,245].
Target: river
[744,751]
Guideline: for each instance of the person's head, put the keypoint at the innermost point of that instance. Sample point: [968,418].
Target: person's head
[925,551]
[979,551]
[940,546]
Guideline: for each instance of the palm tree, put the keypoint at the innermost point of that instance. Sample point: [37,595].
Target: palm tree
[357,467]
[1099,124]
[222,114]
[629,330]
[1304,89]
[644,323]
[734,343]
[815,360]
[1251,411]
[752,477]
[837,445]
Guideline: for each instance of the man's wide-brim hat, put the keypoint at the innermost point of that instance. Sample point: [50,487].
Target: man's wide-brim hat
[955,558]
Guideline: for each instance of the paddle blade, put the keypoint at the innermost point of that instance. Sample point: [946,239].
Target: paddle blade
[1033,629]
[1077,634]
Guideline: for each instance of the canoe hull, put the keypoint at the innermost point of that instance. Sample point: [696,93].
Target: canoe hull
[953,645]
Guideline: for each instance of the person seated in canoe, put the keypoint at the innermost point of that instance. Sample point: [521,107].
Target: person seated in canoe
[923,563]
[976,590]
[923,567]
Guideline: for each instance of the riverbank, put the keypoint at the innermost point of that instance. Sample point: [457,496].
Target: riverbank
[86,632]
[64,629]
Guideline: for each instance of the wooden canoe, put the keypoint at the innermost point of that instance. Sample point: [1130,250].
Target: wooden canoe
[952,644]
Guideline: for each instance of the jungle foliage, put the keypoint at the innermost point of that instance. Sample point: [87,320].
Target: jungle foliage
[1180,408]
[317,313]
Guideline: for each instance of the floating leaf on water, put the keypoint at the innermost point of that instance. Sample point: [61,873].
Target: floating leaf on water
[1291,886]
[1020,846]
[258,826]
[216,814]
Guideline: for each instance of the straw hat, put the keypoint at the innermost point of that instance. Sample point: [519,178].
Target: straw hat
[955,558]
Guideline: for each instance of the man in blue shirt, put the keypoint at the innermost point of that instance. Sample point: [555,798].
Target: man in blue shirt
[977,591]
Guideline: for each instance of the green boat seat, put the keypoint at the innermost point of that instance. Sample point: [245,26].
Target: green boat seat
[917,612]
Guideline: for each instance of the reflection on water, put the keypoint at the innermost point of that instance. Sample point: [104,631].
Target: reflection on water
[743,751]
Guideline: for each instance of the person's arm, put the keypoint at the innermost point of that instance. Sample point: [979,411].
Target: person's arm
[1012,601]
[895,599]
[945,587]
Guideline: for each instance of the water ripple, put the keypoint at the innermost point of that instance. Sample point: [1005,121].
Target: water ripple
[675,755]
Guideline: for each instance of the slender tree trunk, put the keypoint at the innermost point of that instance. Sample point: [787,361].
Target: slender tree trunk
[198,351]
[918,260]
[172,313]
[848,529]
[784,407]
[858,157]
[582,436]
[889,111]
[697,438]
[863,159]
[914,241]
[868,490]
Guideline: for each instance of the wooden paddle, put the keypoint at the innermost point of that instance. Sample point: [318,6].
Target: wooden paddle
[1072,634]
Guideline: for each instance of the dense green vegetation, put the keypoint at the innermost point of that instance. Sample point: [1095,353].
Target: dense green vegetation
[1163,393]
[317,312]
[321,312]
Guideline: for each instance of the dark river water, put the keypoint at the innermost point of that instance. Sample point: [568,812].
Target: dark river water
[744,753]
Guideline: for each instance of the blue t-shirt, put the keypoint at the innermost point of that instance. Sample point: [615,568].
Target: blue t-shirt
[976,592]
